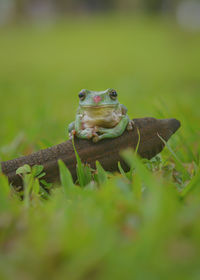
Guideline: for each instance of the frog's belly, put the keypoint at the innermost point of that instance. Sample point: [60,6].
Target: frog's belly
[106,121]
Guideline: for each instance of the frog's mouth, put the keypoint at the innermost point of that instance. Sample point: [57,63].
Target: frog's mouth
[98,106]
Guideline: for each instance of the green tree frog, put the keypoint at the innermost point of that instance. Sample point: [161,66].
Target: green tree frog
[99,116]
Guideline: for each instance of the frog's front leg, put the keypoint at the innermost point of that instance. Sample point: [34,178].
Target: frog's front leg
[80,132]
[124,112]
[71,128]
[113,132]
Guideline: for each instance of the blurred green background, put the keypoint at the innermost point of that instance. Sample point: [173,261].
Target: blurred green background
[151,60]
[149,51]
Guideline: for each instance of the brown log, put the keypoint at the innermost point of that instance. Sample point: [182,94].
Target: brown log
[107,151]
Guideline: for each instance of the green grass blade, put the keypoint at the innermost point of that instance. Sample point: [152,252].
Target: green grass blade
[179,165]
[194,182]
[36,186]
[87,174]
[84,173]
[137,186]
[101,175]
[121,170]
[138,143]
[135,163]
[65,176]
[80,168]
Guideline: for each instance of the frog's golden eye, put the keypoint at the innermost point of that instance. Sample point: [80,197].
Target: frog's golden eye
[82,95]
[113,94]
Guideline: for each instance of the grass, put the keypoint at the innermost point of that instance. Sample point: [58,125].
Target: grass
[140,225]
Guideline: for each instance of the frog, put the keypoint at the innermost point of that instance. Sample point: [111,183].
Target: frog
[100,116]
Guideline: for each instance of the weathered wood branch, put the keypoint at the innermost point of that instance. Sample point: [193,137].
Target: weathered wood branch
[107,151]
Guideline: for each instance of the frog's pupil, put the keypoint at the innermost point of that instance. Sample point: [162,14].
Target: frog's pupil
[114,94]
[81,95]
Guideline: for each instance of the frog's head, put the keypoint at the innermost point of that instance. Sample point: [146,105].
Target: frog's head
[96,99]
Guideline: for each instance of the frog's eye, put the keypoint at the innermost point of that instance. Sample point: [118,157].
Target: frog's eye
[113,94]
[82,95]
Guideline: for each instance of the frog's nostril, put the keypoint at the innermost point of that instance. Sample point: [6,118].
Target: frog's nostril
[97,99]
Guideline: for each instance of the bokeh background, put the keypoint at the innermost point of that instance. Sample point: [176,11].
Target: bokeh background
[147,50]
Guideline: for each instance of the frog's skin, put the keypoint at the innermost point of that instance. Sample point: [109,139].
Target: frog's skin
[99,116]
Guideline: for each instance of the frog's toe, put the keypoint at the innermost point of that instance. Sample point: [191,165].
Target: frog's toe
[86,134]
[89,136]
[94,134]
[95,139]
[130,125]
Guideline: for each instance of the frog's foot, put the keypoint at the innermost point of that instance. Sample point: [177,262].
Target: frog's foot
[130,125]
[85,133]
[100,134]
[96,138]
